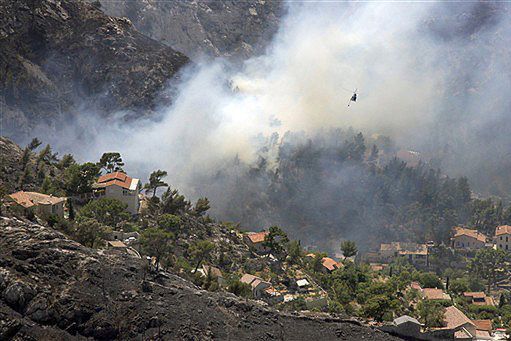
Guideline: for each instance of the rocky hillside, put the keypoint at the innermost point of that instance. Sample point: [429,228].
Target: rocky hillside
[61,57]
[54,288]
[216,28]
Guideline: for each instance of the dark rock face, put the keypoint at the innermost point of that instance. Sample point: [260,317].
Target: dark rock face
[57,289]
[58,57]
[226,28]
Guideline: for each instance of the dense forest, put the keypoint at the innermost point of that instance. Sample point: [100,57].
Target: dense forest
[320,189]
[338,185]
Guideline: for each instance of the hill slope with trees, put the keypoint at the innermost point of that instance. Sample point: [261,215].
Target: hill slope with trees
[53,287]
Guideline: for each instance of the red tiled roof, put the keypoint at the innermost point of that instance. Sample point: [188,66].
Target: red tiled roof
[483,325]
[454,318]
[330,264]
[504,229]
[460,231]
[477,294]
[248,278]
[483,335]
[435,294]
[116,243]
[117,178]
[29,199]
[257,237]
[112,176]
[416,286]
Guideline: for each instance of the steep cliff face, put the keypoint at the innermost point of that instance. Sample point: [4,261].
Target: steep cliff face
[217,28]
[55,288]
[61,57]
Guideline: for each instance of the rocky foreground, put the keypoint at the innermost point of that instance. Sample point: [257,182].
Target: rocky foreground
[54,288]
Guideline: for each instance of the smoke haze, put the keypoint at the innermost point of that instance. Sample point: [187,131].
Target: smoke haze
[433,76]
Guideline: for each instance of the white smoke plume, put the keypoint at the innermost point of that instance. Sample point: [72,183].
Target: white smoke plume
[402,58]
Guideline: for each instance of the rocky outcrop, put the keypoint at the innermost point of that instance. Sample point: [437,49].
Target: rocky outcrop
[54,288]
[227,28]
[61,57]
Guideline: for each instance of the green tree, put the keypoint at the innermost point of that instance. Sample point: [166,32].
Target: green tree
[200,251]
[201,206]
[107,211]
[156,242]
[3,193]
[78,179]
[429,280]
[239,288]
[66,161]
[348,248]
[172,202]
[34,144]
[431,313]
[275,240]
[488,264]
[90,232]
[459,286]
[155,181]
[169,222]
[70,209]
[294,251]
[46,156]
[378,306]
[111,162]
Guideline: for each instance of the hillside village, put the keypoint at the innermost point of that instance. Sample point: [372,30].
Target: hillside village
[459,289]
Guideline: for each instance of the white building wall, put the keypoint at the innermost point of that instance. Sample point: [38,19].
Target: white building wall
[503,242]
[124,195]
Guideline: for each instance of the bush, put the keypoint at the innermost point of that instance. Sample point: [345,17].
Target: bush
[429,280]
[107,211]
[239,289]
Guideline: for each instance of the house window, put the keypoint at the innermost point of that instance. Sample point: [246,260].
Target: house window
[53,209]
[506,246]
[507,239]
[500,237]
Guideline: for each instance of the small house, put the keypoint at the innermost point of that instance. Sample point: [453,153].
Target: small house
[467,239]
[215,273]
[43,205]
[416,254]
[258,285]
[404,326]
[503,237]
[119,186]
[330,265]
[484,329]
[463,327]
[434,294]
[116,245]
[302,284]
[479,298]
[255,241]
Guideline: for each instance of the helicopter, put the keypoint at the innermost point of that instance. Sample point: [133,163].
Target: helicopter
[353,97]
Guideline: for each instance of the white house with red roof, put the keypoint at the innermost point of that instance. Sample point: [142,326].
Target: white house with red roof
[503,237]
[119,186]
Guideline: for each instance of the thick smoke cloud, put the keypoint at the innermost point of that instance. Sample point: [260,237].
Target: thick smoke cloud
[302,83]
[433,76]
